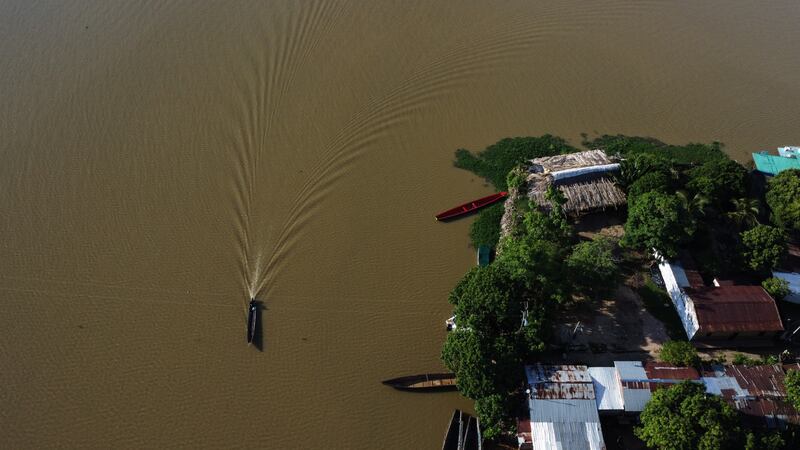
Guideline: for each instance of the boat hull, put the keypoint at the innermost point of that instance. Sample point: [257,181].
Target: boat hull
[429,382]
[470,207]
[252,321]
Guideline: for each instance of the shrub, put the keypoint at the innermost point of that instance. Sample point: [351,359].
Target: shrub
[486,228]
[592,267]
[680,353]
[792,384]
[776,287]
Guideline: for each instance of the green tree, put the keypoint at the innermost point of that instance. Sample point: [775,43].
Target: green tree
[684,417]
[680,353]
[592,267]
[649,182]
[696,205]
[490,300]
[764,247]
[658,221]
[720,180]
[783,199]
[745,212]
[792,384]
[484,364]
[769,441]
[643,164]
[778,288]
[493,413]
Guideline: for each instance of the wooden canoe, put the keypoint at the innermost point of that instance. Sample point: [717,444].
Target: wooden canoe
[424,382]
[471,207]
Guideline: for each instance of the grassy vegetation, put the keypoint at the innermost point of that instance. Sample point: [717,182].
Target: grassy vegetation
[486,228]
[627,146]
[658,303]
[494,164]
[496,161]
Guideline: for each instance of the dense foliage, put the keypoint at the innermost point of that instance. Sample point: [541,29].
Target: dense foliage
[592,267]
[792,384]
[783,198]
[680,353]
[486,228]
[496,164]
[496,161]
[658,221]
[684,417]
[502,314]
[776,287]
[764,441]
[649,182]
[764,247]
[719,181]
[628,146]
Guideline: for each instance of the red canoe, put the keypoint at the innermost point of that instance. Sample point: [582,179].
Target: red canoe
[472,206]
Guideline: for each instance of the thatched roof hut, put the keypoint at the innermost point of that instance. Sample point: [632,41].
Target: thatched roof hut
[583,177]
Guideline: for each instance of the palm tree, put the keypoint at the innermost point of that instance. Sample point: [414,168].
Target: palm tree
[696,205]
[745,212]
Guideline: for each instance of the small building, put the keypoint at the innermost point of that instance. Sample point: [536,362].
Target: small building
[723,315]
[639,380]
[566,401]
[787,158]
[757,392]
[584,178]
[563,409]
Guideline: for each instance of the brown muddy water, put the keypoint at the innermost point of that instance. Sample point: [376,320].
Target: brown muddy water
[162,161]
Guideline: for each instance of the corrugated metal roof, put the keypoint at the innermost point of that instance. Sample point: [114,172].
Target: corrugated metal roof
[759,380]
[607,388]
[630,370]
[567,436]
[563,391]
[563,410]
[665,371]
[559,373]
[734,309]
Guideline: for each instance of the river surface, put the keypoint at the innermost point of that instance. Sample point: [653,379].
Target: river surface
[164,161]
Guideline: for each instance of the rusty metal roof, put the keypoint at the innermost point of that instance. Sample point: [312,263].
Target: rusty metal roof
[558,374]
[759,380]
[665,371]
[734,309]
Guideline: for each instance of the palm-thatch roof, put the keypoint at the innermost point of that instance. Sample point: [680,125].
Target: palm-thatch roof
[568,161]
[583,177]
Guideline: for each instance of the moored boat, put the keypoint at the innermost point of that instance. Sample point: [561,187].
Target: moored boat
[463,433]
[252,319]
[470,207]
[452,436]
[424,382]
